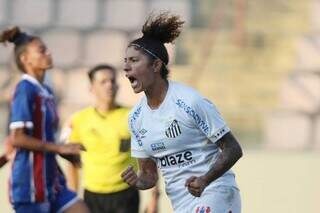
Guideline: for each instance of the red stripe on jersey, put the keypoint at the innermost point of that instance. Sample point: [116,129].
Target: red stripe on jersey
[38,157]
[38,176]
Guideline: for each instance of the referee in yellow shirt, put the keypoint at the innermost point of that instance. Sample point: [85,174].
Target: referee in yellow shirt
[103,130]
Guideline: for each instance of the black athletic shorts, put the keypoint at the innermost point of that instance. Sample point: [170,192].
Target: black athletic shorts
[126,201]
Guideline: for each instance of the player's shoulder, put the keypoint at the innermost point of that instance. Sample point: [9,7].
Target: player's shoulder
[136,111]
[184,93]
[82,114]
[25,88]
[25,85]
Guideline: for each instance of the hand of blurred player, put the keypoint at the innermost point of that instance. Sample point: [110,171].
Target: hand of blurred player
[8,154]
[196,185]
[130,176]
[74,159]
[70,149]
[9,151]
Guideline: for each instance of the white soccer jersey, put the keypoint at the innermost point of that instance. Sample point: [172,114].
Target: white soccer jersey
[180,136]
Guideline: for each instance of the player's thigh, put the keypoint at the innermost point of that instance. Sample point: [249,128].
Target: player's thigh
[67,201]
[97,202]
[127,201]
[77,207]
[221,199]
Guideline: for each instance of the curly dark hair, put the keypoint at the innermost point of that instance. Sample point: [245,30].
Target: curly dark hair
[9,34]
[20,40]
[164,27]
[158,30]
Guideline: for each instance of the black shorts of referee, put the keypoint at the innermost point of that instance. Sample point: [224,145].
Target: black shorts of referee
[126,201]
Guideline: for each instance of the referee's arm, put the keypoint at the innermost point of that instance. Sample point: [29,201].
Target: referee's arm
[72,177]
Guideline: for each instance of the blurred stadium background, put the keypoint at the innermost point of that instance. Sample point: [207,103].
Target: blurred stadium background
[259,61]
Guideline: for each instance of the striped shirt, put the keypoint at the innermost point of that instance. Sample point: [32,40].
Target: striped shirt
[35,175]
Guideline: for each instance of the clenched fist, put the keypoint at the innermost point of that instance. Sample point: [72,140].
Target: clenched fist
[130,176]
[196,185]
[70,149]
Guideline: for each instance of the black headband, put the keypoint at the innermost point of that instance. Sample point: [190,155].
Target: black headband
[21,38]
[153,47]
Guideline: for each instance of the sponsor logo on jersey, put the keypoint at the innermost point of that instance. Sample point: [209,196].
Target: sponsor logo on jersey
[203,209]
[174,129]
[156,147]
[142,133]
[94,131]
[133,119]
[191,112]
[135,115]
[182,159]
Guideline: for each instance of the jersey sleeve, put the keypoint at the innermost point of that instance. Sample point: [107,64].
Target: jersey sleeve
[21,114]
[72,134]
[137,150]
[124,130]
[208,119]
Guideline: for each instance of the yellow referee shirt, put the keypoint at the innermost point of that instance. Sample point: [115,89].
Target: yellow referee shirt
[106,139]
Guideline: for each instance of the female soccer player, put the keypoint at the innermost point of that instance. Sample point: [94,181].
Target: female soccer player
[175,128]
[37,184]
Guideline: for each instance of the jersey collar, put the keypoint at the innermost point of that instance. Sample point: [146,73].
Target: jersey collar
[31,79]
[34,81]
[165,100]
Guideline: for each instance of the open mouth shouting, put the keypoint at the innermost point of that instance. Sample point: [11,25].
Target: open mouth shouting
[133,81]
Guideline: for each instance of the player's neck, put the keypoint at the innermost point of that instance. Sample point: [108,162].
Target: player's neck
[103,106]
[157,93]
[37,74]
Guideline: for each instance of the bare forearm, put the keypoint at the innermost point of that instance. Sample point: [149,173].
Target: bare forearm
[146,181]
[230,154]
[73,177]
[223,163]
[30,143]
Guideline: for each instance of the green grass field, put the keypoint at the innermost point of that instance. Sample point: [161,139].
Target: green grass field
[270,182]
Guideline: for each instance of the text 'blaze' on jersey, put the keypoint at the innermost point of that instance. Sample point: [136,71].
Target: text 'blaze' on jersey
[180,136]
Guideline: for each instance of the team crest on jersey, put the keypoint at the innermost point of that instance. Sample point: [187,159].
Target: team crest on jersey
[203,209]
[173,130]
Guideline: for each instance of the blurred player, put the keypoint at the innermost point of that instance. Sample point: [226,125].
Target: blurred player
[37,184]
[175,128]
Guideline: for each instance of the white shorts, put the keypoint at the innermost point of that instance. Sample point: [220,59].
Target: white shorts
[219,199]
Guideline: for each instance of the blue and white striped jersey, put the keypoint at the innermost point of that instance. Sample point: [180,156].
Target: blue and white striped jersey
[35,175]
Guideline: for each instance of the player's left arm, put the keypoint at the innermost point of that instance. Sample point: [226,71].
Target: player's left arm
[230,153]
